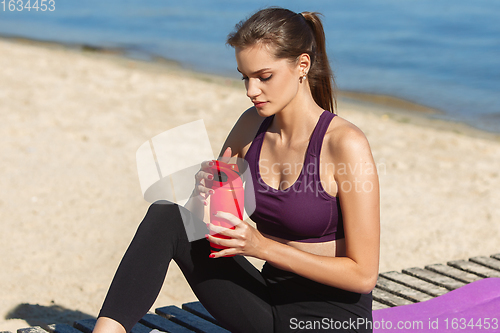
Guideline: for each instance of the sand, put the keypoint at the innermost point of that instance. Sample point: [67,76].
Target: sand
[71,122]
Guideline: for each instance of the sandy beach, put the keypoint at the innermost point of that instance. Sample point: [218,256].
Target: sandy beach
[70,202]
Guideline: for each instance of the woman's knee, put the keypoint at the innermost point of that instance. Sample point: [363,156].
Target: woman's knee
[165,221]
[163,217]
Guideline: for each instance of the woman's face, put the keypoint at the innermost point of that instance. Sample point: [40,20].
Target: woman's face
[272,84]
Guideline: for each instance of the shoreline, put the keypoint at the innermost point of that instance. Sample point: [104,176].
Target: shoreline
[394,107]
[408,112]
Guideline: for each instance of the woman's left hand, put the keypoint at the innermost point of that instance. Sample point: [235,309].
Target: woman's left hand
[243,239]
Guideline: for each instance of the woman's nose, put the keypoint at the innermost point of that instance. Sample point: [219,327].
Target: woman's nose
[253,89]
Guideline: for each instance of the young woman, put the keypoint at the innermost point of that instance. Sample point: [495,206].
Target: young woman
[317,203]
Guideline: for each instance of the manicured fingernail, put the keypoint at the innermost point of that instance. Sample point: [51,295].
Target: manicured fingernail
[211,164]
[211,191]
[211,255]
[205,203]
[210,177]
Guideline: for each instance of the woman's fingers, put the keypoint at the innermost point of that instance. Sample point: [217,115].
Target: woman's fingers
[203,191]
[230,244]
[223,253]
[234,233]
[207,164]
[218,230]
[203,182]
[231,218]
[241,239]
[203,175]
[238,240]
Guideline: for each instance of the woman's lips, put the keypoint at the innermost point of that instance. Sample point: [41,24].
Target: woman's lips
[259,104]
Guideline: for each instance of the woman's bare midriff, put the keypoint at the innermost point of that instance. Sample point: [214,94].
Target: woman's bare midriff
[334,248]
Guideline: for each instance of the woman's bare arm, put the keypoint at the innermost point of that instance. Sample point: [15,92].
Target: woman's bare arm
[242,134]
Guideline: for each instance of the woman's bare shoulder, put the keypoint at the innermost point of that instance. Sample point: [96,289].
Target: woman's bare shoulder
[243,132]
[343,137]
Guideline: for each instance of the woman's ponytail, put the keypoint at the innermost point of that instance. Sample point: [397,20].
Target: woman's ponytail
[320,75]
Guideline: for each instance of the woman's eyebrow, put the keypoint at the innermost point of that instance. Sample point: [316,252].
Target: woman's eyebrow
[256,72]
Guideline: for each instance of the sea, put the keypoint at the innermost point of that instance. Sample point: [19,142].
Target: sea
[442,54]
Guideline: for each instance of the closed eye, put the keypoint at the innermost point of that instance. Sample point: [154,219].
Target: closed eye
[263,79]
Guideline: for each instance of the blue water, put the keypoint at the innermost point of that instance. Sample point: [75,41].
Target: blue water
[443,54]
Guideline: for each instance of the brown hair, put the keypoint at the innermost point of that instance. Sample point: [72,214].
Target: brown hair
[290,35]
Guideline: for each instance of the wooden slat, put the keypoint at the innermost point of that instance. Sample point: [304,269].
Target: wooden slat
[87,326]
[189,320]
[487,261]
[140,328]
[163,324]
[401,290]
[415,283]
[34,329]
[453,273]
[198,309]
[62,328]
[433,277]
[474,268]
[496,256]
[377,305]
[388,298]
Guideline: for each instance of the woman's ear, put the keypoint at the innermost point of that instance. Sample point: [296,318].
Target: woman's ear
[304,64]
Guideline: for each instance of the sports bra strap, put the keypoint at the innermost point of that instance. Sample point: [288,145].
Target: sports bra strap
[318,135]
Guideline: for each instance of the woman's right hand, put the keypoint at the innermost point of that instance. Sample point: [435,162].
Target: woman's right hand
[204,177]
[204,181]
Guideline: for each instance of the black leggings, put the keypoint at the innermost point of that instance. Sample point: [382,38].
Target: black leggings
[239,296]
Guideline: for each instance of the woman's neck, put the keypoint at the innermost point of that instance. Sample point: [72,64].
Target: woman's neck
[297,120]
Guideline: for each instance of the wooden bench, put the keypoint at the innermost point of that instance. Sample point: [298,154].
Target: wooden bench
[393,289]
[191,318]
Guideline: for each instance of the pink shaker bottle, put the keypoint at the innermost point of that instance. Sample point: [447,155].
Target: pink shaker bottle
[228,196]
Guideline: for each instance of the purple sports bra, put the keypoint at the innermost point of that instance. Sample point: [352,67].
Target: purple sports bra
[303,212]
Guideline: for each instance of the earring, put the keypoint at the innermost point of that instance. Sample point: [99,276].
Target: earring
[304,76]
